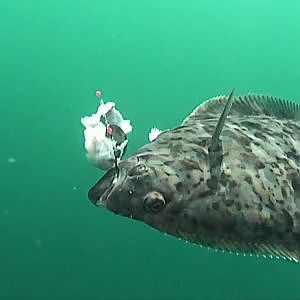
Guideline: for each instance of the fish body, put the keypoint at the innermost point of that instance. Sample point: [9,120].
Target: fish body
[232,185]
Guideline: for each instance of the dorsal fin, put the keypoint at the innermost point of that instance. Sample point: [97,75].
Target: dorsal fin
[250,105]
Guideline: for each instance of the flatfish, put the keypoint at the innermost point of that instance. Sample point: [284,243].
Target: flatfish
[228,178]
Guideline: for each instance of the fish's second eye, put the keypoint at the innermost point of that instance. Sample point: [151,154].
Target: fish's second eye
[154,202]
[138,170]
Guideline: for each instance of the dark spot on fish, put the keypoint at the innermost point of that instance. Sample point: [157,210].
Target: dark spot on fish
[216,205]
[238,205]
[254,125]
[189,222]
[161,141]
[259,135]
[189,164]
[296,186]
[174,138]
[189,130]
[259,164]
[179,186]
[259,206]
[204,193]
[228,202]
[297,215]
[212,183]
[232,185]
[289,220]
[144,156]
[169,163]
[248,179]
[270,205]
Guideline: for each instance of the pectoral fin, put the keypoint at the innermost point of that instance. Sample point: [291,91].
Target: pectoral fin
[215,148]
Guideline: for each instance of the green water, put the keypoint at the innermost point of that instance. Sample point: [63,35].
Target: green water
[157,60]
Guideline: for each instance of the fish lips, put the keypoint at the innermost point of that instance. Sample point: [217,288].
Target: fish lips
[101,191]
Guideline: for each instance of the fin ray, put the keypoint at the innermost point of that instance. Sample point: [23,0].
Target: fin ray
[249,105]
[260,249]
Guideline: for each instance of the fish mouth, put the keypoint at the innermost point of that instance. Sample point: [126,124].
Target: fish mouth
[100,192]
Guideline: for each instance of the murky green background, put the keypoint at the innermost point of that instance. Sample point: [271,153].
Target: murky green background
[157,60]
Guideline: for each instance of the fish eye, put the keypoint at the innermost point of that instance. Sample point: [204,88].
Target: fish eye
[154,202]
[138,170]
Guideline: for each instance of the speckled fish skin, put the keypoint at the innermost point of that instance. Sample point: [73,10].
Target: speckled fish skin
[255,205]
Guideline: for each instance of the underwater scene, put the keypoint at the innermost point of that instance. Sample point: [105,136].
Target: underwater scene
[150,150]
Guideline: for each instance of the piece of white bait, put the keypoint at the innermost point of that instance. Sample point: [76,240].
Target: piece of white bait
[99,142]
